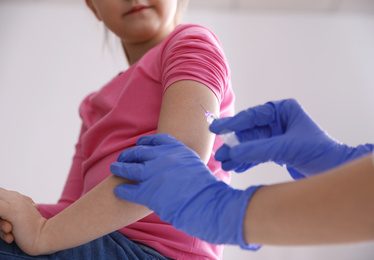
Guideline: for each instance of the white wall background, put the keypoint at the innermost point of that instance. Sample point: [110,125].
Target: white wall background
[52,55]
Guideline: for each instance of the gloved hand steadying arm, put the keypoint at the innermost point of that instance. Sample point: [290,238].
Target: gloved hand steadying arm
[282,132]
[180,189]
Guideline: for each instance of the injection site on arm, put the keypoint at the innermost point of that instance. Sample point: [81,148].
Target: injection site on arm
[229,137]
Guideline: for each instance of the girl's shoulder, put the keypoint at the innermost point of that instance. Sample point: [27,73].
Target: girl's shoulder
[191,28]
[192,31]
[187,34]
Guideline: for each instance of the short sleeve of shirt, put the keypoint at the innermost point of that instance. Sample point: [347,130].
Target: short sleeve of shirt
[193,52]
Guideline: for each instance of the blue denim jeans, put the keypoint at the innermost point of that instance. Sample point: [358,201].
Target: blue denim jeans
[110,247]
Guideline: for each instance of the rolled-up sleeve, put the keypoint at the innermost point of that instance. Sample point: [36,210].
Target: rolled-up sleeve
[195,54]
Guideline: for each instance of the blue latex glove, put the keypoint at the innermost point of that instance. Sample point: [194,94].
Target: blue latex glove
[180,189]
[282,132]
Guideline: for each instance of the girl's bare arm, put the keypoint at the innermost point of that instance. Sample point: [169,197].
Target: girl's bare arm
[100,212]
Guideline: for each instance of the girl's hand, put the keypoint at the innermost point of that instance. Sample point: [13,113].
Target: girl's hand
[6,226]
[6,231]
[20,221]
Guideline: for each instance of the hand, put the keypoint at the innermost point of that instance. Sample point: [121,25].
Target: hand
[26,223]
[177,185]
[6,226]
[282,132]
[6,231]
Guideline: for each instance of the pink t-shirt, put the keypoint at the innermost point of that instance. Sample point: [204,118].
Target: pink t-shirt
[127,108]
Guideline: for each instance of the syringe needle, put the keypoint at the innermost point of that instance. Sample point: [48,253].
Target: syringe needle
[229,138]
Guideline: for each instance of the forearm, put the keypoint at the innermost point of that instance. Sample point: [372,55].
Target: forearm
[100,212]
[335,207]
[97,213]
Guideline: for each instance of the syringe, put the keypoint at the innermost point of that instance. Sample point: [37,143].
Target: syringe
[229,137]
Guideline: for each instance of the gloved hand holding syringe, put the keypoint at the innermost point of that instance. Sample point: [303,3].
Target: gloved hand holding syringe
[229,137]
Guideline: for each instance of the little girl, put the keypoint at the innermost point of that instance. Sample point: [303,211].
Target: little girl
[174,69]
